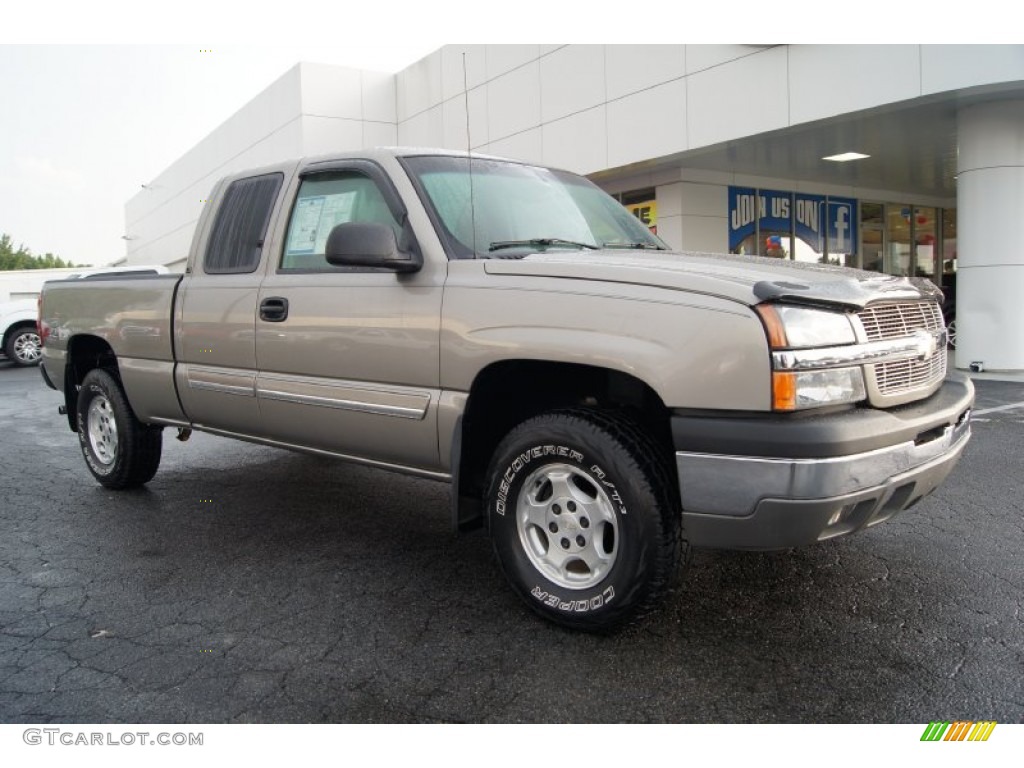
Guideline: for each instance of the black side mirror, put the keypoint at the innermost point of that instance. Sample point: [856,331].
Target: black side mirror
[369,244]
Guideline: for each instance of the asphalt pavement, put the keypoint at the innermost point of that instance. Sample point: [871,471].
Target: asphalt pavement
[249,584]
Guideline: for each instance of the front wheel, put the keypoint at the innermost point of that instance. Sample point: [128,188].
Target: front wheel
[24,347]
[119,450]
[584,518]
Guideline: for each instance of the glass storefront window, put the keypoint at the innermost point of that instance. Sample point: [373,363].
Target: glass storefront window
[871,215]
[897,230]
[924,242]
[803,251]
[871,250]
[872,229]
[948,246]
[643,204]
[895,238]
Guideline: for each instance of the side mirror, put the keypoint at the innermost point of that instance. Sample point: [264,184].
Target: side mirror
[369,244]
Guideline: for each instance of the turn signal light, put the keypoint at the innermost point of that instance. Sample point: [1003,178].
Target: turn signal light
[783,391]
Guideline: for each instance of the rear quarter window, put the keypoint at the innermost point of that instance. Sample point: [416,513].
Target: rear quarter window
[236,242]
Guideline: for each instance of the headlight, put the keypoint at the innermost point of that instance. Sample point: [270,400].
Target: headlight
[797,385]
[814,328]
[800,327]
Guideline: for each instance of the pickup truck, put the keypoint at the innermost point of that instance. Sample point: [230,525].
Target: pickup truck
[601,404]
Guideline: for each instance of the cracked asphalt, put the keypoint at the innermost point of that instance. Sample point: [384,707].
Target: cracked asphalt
[247,584]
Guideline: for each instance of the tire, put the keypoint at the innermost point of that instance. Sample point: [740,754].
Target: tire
[584,518]
[119,450]
[24,347]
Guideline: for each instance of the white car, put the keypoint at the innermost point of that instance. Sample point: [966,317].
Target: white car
[21,343]
[21,339]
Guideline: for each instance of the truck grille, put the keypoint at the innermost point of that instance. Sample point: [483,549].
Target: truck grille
[909,375]
[894,321]
[897,380]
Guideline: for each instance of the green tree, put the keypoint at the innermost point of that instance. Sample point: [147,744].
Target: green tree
[22,258]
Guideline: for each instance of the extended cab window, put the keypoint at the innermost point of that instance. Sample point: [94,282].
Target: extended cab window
[324,201]
[237,239]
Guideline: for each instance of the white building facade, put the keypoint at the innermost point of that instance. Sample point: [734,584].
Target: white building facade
[720,148]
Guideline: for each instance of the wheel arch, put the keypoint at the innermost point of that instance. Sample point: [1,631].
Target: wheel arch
[15,326]
[85,353]
[507,392]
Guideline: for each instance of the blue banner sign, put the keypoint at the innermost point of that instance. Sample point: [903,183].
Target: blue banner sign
[809,215]
[841,225]
[742,215]
[775,210]
[815,219]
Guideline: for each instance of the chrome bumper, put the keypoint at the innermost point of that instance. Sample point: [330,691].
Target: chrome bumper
[745,502]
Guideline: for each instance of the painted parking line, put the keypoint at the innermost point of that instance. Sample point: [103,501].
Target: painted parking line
[997,408]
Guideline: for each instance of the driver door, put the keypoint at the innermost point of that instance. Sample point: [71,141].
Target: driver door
[348,356]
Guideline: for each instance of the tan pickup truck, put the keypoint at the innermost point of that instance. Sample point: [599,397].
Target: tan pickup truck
[600,403]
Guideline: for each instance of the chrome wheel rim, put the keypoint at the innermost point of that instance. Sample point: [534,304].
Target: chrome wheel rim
[567,526]
[28,347]
[102,430]
[951,333]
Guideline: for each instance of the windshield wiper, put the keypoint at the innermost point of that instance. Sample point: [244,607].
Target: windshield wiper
[637,246]
[539,242]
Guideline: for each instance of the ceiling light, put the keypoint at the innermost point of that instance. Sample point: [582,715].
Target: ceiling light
[846,157]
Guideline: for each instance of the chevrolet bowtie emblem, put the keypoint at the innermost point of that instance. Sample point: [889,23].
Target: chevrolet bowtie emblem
[928,343]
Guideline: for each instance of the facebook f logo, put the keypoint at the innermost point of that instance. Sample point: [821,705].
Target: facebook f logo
[842,237]
[841,227]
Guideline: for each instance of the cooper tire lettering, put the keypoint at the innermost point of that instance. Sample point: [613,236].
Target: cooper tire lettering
[559,523]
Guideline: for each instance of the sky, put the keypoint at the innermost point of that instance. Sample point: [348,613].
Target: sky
[99,98]
[83,127]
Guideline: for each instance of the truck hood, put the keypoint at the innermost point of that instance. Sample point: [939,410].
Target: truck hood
[747,279]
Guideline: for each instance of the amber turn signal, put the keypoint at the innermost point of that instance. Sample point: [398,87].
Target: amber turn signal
[783,391]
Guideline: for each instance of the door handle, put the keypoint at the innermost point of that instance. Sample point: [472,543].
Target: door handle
[274,309]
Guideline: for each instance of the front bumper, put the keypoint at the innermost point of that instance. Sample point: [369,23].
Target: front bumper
[822,477]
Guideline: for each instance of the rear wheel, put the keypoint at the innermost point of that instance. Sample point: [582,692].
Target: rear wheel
[24,346]
[119,450]
[584,518]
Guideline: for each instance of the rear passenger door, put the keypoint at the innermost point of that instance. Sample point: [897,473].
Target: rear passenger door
[215,334]
[348,356]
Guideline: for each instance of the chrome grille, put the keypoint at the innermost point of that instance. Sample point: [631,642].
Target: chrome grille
[908,375]
[893,321]
[898,381]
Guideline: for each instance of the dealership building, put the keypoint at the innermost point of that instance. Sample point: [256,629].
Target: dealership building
[904,159]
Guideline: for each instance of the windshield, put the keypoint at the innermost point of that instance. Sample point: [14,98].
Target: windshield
[521,209]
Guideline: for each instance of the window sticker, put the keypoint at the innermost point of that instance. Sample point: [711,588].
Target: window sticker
[313,220]
[337,209]
[305,223]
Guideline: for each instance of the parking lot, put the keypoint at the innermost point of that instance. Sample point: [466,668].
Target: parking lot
[247,584]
